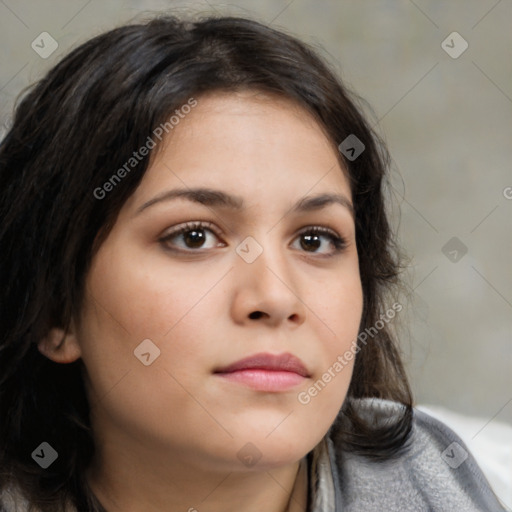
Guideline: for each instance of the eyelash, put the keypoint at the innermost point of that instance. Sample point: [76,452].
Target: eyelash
[338,242]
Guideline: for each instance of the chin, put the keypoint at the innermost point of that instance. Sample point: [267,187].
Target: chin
[276,449]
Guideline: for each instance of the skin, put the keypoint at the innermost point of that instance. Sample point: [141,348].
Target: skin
[168,434]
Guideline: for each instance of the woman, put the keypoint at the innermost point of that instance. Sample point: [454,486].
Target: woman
[197,276]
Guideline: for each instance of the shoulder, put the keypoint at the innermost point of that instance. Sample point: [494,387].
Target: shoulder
[435,471]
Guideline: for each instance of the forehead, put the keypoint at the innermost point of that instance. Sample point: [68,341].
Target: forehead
[254,116]
[251,144]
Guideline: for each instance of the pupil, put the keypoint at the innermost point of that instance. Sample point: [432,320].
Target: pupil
[194,238]
[312,241]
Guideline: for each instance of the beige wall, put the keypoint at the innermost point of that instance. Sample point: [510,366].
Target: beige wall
[448,122]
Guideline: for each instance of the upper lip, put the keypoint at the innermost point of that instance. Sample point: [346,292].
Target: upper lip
[282,362]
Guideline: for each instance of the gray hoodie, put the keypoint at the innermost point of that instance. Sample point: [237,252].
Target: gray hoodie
[435,474]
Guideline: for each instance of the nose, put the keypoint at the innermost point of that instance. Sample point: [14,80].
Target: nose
[267,291]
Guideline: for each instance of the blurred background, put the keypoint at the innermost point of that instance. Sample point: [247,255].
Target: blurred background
[438,78]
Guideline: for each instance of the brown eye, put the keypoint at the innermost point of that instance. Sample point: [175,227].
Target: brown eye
[313,238]
[194,238]
[310,242]
[189,237]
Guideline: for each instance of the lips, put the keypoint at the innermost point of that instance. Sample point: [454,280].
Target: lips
[266,372]
[269,362]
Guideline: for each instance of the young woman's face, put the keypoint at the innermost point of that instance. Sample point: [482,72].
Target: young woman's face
[248,281]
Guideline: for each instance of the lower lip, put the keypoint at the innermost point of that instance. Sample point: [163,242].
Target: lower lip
[265,380]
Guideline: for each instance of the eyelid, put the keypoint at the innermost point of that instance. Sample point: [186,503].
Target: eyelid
[319,229]
[190,226]
[339,241]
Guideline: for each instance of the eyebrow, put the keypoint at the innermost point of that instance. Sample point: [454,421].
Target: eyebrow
[218,199]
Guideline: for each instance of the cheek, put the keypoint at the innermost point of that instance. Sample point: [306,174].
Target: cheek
[126,305]
[341,317]
[140,389]
[339,304]
[149,298]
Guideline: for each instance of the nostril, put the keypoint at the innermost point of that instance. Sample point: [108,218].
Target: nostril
[255,315]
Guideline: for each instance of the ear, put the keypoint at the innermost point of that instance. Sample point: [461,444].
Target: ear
[59,346]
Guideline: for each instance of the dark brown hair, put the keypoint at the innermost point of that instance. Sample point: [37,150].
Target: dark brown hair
[80,123]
